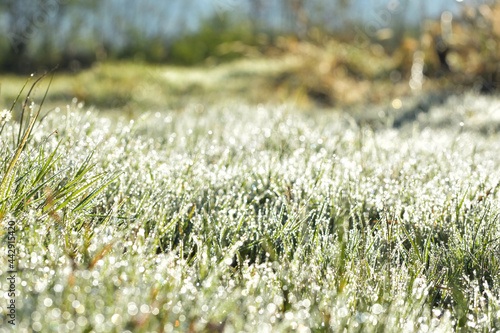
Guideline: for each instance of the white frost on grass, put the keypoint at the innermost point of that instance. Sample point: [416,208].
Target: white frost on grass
[248,218]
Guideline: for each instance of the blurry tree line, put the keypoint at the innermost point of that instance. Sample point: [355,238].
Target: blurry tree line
[76,33]
[73,33]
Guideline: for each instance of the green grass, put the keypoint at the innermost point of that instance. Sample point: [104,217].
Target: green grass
[242,218]
[325,74]
[136,87]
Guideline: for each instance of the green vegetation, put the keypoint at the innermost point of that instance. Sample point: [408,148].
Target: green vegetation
[218,39]
[256,219]
[229,59]
[254,191]
[135,87]
[311,76]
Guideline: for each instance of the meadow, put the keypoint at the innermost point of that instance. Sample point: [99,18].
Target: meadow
[237,217]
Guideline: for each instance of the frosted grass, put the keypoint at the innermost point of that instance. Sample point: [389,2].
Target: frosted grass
[261,219]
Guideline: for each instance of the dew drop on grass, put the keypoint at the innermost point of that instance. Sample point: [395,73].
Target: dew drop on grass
[81,321]
[377,309]
[132,309]
[115,319]
[55,313]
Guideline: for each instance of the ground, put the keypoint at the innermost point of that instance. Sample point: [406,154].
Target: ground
[228,216]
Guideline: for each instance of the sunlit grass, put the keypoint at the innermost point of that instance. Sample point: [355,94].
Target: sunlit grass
[128,87]
[310,74]
[254,219]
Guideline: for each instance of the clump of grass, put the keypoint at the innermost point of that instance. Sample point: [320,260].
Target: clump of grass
[255,219]
[47,198]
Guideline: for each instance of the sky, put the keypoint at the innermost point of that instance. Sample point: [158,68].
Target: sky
[361,10]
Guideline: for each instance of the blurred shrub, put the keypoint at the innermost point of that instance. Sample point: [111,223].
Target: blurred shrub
[466,48]
[475,46]
[218,38]
[330,72]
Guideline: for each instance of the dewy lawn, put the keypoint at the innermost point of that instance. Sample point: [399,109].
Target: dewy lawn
[254,219]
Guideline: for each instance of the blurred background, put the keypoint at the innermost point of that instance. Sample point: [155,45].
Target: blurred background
[154,54]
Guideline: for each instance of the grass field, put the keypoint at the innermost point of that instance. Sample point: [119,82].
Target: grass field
[236,218]
[136,87]
[310,76]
